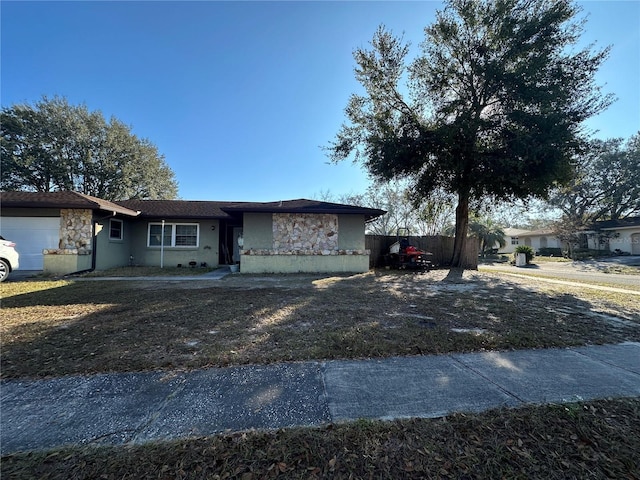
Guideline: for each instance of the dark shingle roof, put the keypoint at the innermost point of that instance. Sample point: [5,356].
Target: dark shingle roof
[212,209]
[304,206]
[178,208]
[620,223]
[60,200]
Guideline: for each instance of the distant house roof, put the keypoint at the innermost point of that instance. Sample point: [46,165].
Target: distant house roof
[535,233]
[628,222]
[515,232]
[61,200]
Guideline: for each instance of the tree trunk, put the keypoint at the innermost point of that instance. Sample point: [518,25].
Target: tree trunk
[462,222]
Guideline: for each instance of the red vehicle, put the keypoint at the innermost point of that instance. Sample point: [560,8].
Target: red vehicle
[403,255]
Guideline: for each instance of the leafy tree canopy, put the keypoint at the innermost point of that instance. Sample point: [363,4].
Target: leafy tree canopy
[428,217]
[52,145]
[605,184]
[496,99]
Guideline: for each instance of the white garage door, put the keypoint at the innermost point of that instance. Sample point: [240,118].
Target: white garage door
[31,235]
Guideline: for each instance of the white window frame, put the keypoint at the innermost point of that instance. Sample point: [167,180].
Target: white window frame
[173,228]
[111,221]
[515,241]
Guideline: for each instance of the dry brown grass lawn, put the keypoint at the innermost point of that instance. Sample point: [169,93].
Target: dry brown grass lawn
[53,328]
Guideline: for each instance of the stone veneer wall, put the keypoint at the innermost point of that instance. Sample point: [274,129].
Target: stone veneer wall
[76,230]
[293,232]
[304,234]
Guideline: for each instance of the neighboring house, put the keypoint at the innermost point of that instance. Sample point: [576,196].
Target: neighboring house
[535,239]
[622,235]
[538,239]
[512,240]
[78,232]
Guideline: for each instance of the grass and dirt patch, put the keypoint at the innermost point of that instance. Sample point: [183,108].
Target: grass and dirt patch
[545,259]
[595,439]
[621,270]
[55,328]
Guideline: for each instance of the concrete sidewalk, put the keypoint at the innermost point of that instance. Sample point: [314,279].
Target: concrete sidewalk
[139,407]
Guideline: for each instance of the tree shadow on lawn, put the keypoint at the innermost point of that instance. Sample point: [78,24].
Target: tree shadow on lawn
[91,327]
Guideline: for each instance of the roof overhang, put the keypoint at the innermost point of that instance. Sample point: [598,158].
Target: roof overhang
[66,200]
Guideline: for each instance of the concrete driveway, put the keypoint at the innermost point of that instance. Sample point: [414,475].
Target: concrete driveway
[20,275]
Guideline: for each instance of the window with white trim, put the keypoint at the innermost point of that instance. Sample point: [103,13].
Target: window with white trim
[115,229]
[175,235]
[514,241]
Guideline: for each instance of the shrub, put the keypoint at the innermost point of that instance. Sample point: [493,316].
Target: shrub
[550,252]
[588,253]
[527,250]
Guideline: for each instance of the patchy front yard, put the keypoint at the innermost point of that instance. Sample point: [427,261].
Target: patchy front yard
[57,328]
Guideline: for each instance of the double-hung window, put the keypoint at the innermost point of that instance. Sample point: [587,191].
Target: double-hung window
[175,235]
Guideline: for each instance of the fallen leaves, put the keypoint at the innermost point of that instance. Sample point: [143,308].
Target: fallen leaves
[536,442]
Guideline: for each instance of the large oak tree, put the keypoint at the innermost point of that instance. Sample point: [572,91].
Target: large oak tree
[491,107]
[53,145]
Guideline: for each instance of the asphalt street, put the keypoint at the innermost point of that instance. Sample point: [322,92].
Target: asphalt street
[589,271]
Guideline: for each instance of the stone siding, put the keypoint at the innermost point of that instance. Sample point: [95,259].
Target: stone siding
[304,235]
[257,251]
[76,230]
[306,232]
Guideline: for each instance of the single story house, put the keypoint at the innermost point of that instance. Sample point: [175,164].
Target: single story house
[65,232]
[535,239]
[621,235]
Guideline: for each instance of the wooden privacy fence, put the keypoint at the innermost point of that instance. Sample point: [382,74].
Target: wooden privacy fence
[441,247]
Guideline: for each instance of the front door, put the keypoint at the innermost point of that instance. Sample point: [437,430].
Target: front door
[229,231]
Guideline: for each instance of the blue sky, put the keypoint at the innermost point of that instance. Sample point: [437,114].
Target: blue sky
[240,96]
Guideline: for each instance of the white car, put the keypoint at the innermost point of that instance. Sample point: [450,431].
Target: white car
[9,258]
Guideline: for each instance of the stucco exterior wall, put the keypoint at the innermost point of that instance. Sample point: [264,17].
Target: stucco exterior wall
[205,252]
[111,253]
[288,243]
[304,263]
[351,232]
[65,261]
[257,231]
[626,241]
[533,241]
